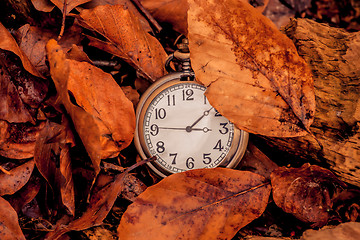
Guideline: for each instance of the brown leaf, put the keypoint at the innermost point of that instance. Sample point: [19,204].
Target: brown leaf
[347,205]
[256,161]
[102,199]
[7,42]
[18,177]
[175,12]
[131,94]
[12,108]
[197,204]
[10,229]
[43,5]
[53,143]
[104,122]
[46,6]
[17,140]
[126,38]
[169,11]
[32,41]
[254,75]
[26,194]
[305,192]
[88,84]
[32,90]
[127,4]
[133,187]
[344,231]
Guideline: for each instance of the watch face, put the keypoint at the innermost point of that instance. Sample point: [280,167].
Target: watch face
[183,130]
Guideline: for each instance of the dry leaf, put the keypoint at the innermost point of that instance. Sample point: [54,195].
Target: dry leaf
[70,4]
[18,177]
[127,4]
[344,231]
[169,11]
[131,94]
[32,41]
[48,5]
[126,38]
[12,108]
[347,205]
[104,194]
[26,194]
[53,143]
[197,204]
[133,187]
[256,161]
[43,5]
[10,229]
[305,192]
[87,84]
[7,42]
[254,75]
[17,140]
[104,122]
[175,12]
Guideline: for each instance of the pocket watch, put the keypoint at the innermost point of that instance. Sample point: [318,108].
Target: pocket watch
[176,123]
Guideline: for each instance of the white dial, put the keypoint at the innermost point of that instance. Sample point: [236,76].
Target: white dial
[176,123]
[184,131]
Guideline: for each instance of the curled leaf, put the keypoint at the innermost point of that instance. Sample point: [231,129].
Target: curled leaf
[197,204]
[7,42]
[125,38]
[32,41]
[305,192]
[253,72]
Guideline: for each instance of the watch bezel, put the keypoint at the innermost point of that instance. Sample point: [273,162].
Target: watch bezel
[238,145]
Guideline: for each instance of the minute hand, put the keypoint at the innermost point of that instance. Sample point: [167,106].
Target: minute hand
[189,128]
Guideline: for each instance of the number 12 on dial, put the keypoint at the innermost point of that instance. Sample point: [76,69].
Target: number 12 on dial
[176,123]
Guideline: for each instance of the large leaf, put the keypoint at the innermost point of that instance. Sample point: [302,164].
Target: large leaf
[126,38]
[104,122]
[9,225]
[254,75]
[198,204]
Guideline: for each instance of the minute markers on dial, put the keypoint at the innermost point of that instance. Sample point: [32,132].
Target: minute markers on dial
[180,138]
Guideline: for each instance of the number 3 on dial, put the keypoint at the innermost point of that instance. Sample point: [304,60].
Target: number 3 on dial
[176,123]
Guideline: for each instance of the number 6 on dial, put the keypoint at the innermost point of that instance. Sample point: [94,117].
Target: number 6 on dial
[176,123]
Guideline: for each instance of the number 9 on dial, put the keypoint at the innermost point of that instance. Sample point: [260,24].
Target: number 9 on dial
[176,123]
